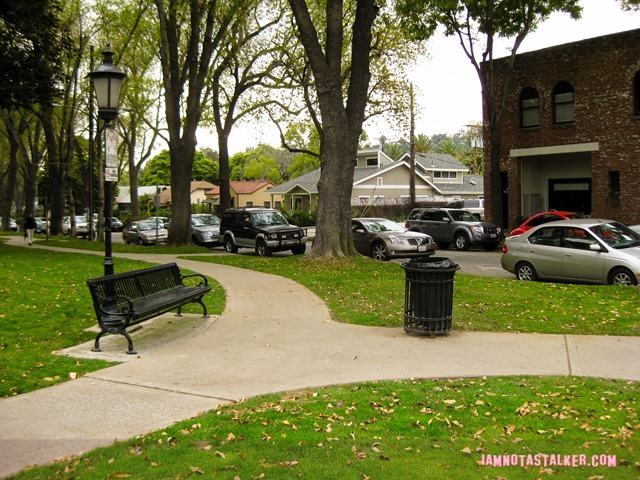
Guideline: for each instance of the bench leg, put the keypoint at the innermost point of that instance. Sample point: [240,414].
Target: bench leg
[130,350]
[205,313]
[96,345]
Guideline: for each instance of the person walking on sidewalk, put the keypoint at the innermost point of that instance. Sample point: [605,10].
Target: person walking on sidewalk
[29,228]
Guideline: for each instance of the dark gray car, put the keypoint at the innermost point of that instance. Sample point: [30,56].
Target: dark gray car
[455,226]
[205,228]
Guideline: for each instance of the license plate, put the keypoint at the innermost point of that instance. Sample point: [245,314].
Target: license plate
[422,248]
[493,235]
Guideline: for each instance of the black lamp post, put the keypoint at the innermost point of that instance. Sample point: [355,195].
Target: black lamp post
[107,81]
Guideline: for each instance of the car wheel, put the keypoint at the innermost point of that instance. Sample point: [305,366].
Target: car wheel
[126,240]
[140,242]
[379,251]
[622,276]
[263,249]
[229,246]
[461,241]
[299,250]
[195,241]
[443,245]
[525,271]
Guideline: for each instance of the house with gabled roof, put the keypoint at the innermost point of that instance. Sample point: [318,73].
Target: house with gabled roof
[378,179]
[247,194]
[197,191]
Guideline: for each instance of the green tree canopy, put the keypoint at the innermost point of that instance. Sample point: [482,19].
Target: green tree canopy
[31,40]
[158,170]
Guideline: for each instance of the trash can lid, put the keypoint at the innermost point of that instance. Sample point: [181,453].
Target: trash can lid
[431,263]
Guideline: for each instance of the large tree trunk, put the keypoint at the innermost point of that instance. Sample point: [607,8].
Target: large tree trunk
[56,178]
[225,172]
[181,167]
[341,119]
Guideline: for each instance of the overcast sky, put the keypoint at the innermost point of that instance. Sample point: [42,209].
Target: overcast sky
[447,87]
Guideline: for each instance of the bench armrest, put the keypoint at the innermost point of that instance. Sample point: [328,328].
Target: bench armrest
[203,280]
[123,310]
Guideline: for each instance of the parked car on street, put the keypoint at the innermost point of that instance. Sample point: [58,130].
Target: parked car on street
[543,217]
[383,239]
[460,227]
[579,250]
[205,229]
[116,224]
[473,205]
[264,229]
[13,226]
[82,226]
[41,225]
[162,221]
[145,233]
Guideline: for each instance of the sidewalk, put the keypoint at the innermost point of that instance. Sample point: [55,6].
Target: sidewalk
[258,346]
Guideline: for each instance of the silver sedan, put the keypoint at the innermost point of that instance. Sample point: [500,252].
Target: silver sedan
[383,239]
[581,250]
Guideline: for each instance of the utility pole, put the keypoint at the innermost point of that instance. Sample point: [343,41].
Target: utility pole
[412,152]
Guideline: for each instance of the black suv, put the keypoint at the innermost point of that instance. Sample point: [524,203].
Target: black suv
[450,225]
[264,229]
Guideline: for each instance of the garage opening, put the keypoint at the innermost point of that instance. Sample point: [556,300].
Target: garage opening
[572,194]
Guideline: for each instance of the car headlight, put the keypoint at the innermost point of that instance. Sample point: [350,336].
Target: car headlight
[477,229]
[396,240]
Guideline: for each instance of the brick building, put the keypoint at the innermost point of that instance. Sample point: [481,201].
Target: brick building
[570,131]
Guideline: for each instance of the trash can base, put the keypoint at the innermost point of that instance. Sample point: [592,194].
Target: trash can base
[427,326]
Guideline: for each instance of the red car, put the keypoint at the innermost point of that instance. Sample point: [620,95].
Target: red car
[543,217]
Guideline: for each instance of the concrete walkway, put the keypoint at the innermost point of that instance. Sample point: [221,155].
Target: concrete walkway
[274,335]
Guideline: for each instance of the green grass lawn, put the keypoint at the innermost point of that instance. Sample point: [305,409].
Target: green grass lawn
[411,429]
[46,307]
[366,292]
[415,428]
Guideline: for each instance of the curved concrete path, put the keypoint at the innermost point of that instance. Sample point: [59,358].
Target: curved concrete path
[274,335]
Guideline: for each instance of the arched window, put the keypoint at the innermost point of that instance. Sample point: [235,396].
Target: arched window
[563,108]
[529,108]
[636,95]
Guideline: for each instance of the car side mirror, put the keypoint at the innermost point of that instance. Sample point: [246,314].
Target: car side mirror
[360,230]
[446,219]
[596,247]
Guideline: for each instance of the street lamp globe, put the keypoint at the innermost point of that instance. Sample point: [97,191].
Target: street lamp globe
[107,80]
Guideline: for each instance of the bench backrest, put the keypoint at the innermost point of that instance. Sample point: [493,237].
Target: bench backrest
[137,284]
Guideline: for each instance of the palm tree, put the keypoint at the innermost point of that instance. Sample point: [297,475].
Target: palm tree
[394,150]
[422,143]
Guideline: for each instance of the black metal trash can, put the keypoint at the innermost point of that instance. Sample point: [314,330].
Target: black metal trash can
[428,296]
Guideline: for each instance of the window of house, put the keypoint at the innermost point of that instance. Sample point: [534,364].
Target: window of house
[445,174]
[249,204]
[372,162]
[563,104]
[379,181]
[529,108]
[636,95]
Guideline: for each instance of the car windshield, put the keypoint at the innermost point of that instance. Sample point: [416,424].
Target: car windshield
[616,235]
[382,226]
[144,226]
[269,218]
[463,216]
[205,220]
[81,219]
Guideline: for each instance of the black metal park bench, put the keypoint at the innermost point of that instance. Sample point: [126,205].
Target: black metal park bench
[129,298]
